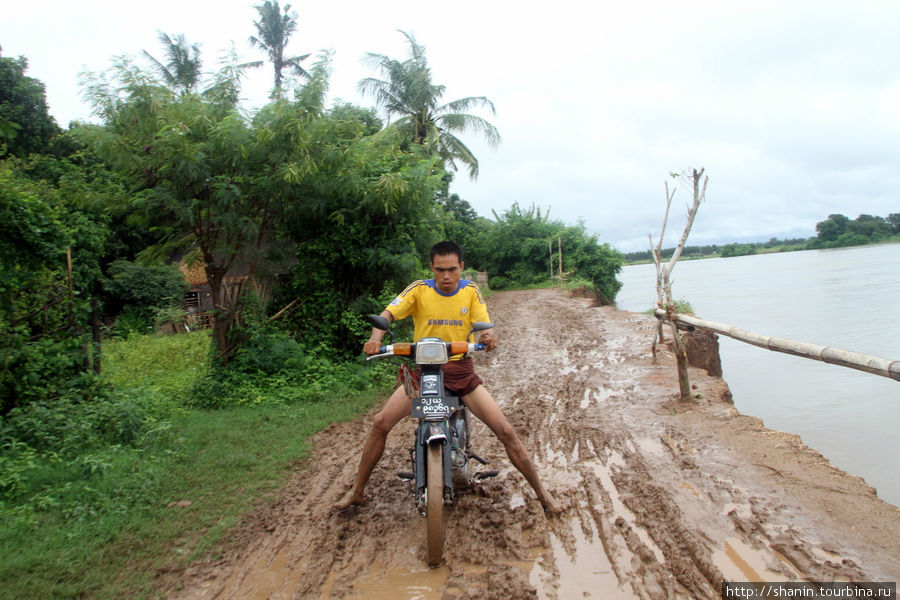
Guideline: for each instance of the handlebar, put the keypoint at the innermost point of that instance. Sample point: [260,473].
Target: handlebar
[409,349]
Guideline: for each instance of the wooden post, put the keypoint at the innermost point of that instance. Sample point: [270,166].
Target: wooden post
[559,270]
[71,293]
[550,246]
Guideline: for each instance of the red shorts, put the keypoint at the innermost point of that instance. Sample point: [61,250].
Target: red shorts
[460,377]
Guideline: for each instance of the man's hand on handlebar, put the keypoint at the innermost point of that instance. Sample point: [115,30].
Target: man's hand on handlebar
[372,347]
[487,338]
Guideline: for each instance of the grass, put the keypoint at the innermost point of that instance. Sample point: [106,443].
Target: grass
[114,528]
[164,367]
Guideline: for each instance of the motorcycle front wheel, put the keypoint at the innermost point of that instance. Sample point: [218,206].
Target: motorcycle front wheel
[434,507]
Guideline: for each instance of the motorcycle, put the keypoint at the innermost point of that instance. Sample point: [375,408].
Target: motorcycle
[441,451]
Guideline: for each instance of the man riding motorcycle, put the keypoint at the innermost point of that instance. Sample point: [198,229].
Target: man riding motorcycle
[444,307]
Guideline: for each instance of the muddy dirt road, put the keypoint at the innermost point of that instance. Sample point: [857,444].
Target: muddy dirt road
[663,499]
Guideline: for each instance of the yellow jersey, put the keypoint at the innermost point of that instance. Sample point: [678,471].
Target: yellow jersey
[447,316]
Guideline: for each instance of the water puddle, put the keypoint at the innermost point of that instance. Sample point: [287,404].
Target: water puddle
[382,583]
[738,561]
[279,576]
[584,573]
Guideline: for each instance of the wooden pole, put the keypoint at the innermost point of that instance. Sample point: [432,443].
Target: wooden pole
[826,354]
[71,293]
[550,246]
[559,270]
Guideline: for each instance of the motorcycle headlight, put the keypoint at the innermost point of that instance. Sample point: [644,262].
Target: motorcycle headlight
[431,353]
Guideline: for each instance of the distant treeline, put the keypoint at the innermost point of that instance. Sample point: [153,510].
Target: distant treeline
[837,231]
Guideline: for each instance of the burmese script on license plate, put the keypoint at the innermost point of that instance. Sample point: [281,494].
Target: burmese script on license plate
[434,408]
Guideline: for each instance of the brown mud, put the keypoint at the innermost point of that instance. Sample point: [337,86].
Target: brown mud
[663,499]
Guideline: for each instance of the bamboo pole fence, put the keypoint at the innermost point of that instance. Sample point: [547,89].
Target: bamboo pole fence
[826,354]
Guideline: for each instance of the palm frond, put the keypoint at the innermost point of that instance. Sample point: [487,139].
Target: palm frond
[462,122]
[406,91]
[452,149]
[467,104]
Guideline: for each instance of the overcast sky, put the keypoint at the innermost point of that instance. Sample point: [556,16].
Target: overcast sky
[793,107]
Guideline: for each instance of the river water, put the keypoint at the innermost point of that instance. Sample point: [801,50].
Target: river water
[846,298]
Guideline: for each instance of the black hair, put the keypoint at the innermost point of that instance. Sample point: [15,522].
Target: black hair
[447,247]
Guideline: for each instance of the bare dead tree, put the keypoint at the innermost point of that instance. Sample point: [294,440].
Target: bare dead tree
[657,257]
[664,278]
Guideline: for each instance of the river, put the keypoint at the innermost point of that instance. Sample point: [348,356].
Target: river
[846,298]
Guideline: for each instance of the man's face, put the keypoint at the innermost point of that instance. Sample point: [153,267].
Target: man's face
[447,270]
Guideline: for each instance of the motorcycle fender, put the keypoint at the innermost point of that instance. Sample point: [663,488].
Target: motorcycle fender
[431,432]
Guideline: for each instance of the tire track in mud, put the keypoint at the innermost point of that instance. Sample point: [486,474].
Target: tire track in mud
[662,500]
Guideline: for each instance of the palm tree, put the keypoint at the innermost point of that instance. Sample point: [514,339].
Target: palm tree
[274,30]
[182,70]
[408,93]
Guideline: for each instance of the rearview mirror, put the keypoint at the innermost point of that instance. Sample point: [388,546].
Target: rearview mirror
[482,325]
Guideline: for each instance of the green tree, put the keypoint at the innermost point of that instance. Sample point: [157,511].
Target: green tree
[187,161]
[871,227]
[588,259]
[273,32]
[516,247]
[43,312]
[832,228]
[365,224]
[233,190]
[25,123]
[408,94]
[182,69]
[144,287]
[731,250]
[893,220]
[459,220]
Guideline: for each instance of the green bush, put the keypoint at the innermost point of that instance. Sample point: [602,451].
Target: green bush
[499,282]
[730,250]
[132,320]
[269,352]
[45,369]
[69,428]
[137,293]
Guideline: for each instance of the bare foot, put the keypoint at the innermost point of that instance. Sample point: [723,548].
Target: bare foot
[550,505]
[351,499]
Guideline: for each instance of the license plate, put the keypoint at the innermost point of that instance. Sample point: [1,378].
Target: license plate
[434,408]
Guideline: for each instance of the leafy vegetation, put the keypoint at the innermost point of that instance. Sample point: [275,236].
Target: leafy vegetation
[515,249]
[25,125]
[838,231]
[96,498]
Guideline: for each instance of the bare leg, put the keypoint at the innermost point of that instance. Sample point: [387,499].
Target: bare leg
[483,406]
[397,407]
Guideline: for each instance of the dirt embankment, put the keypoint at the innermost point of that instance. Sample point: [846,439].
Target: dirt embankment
[663,499]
